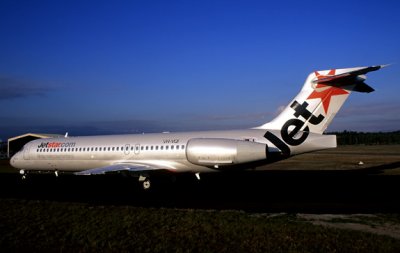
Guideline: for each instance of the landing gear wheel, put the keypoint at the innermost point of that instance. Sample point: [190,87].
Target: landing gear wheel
[23,174]
[146,184]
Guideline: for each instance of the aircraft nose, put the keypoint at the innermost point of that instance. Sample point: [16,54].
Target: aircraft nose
[14,161]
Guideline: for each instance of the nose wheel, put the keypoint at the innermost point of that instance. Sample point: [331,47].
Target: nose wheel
[23,174]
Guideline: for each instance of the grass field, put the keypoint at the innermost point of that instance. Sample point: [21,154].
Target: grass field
[64,226]
[40,226]
[345,158]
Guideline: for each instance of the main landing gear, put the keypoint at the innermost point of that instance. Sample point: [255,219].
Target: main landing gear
[146,183]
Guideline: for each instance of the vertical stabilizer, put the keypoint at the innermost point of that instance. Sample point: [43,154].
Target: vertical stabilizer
[323,94]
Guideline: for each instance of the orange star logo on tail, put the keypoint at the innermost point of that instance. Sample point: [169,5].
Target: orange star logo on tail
[325,92]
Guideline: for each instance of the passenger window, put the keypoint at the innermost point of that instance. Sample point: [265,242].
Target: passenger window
[172,146]
[141,148]
[156,147]
[183,146]
[162,147]
[166,147]
[147,147]
[151,148]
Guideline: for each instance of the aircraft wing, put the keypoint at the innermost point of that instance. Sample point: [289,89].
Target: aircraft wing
[132,167]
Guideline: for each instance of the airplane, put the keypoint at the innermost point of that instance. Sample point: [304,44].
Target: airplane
[297,129]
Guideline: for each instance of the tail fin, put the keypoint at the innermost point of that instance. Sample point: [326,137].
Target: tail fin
[321,97]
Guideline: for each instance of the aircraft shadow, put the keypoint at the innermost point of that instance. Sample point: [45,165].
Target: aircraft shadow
[332,191]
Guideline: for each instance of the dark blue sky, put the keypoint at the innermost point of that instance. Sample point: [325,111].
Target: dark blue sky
[98,67]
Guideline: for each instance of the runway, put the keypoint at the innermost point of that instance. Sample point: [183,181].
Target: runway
[258,191]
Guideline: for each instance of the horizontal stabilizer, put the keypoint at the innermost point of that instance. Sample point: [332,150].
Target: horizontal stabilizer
[354,77]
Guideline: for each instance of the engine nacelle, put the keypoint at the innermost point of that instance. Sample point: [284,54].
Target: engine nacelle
[220,152]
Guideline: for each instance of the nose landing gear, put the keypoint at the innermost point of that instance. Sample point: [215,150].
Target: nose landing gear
[23,174]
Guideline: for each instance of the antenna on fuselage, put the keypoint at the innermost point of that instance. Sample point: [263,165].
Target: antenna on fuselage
[66,135]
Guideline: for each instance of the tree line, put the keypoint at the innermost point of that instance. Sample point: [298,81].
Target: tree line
[367,138]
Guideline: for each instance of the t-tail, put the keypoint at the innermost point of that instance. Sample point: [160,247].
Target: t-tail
[309,114]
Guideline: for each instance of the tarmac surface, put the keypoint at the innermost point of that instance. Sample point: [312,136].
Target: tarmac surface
[361,191]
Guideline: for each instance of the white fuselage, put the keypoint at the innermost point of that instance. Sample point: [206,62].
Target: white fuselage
[163,150]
